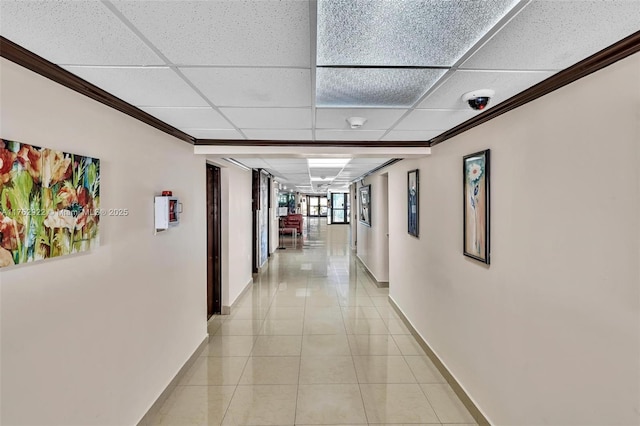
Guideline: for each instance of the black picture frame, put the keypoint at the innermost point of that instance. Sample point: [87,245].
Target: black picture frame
[364,205]
[476,174]
[413,202]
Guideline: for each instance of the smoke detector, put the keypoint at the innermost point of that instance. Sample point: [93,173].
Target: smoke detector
[356,122]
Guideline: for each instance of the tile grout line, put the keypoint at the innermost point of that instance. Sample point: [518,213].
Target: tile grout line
[304,314]
[264,302]
[353,361]
[255,338]
[243,368]
[404,357]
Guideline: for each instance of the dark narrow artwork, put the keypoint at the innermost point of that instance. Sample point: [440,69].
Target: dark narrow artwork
[364,213]
[475,169]
[413,204]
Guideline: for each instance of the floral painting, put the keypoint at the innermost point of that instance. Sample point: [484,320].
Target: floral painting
[412,188]
[48,203]
[476,205]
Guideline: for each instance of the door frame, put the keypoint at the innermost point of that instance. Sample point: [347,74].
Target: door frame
[309,197]
[255,205]
[346,198]
[214,241]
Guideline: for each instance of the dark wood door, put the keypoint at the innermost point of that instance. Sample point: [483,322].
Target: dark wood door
[255,206]
[214,241]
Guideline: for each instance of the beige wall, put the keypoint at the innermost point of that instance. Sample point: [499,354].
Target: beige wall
[372,241]
[549,334]
[94,338]
[236,230]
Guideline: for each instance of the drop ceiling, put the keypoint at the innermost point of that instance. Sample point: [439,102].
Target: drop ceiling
[327,174]
[297,69]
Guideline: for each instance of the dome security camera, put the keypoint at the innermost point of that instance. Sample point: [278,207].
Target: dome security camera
[478,99]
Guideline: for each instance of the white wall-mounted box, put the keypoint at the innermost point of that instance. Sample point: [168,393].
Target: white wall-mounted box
[167,212]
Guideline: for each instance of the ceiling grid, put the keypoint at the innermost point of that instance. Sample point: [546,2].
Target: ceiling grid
[296,70]
[109,5]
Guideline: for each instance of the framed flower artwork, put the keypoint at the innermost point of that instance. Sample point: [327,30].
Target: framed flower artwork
[49,203]
[475,175]
[413,204]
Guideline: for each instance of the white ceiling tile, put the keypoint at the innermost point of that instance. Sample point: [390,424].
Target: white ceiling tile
[279,134]
[301,168]
[556,34]
[253,87]
[296,181]
[348,135]
[254,163]
[360,162]
[269,118]
[505,83]
[377,118]
[367,87]
[361,170]
[428,119]
[411,135]
[225,32]
[142,86]
[401,32]
[195,118]
[73,32]
[260,53]
[213,133]
[284,162]
[298,176]
[302,175]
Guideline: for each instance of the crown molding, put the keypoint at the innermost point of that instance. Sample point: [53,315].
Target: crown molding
[27,59]
[617,51]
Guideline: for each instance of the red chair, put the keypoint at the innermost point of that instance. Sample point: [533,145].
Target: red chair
[293,221]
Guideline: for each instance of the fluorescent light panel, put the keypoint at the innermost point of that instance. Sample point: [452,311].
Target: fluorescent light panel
[337,163]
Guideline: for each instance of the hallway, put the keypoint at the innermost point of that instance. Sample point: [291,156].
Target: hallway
[314,341]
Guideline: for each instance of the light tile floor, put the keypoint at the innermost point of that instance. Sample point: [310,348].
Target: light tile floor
[313,342]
